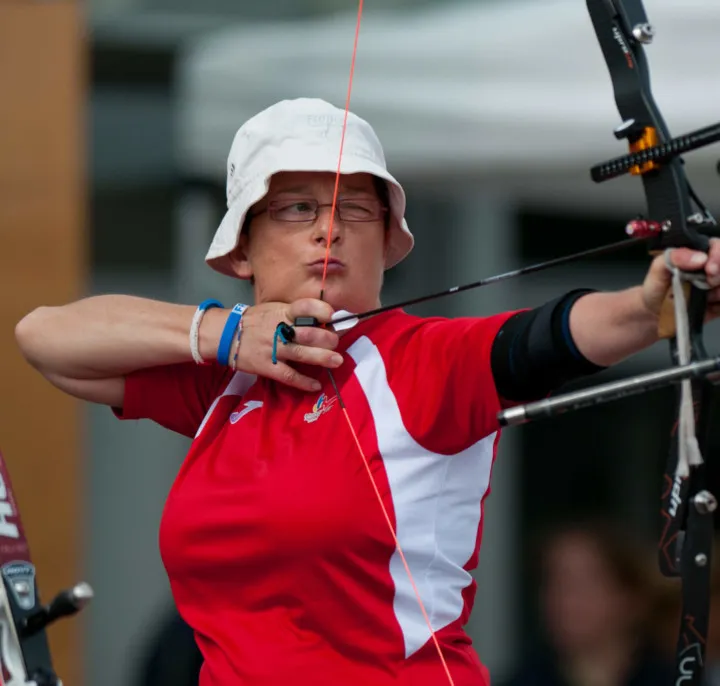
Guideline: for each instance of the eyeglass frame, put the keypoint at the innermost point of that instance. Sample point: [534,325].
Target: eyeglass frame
[382,211]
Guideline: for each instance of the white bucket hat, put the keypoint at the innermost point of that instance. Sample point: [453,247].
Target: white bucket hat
[301,135]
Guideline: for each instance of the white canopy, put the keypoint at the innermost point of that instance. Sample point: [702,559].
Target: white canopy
[513,93]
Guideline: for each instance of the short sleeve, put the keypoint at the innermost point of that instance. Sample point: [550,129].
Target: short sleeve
[441,375]
[175,396]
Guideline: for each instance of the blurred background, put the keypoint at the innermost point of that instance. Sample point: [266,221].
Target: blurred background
[116,117]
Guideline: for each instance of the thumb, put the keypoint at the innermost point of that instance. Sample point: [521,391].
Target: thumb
[687,259]
[656,284]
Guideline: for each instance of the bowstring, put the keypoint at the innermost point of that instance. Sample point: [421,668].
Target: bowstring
[348,421]
[333,207]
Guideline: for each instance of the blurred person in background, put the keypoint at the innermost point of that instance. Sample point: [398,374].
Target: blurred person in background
[278,549]
[595,606]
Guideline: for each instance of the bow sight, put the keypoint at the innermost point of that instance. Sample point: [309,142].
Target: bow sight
[622,29]
[24,652]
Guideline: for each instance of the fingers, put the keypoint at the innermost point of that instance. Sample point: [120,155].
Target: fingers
[310,307]
[316,337]
[303,354]
[693,260]
[712,268]
[289,376]
[688,259]
[312,346]
[659,278]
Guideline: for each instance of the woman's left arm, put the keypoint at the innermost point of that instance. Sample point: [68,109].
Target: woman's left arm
[608,327]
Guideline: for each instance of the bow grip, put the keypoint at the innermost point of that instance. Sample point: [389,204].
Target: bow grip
[694,234]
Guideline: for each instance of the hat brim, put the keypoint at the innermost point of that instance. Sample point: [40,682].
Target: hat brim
[309,160]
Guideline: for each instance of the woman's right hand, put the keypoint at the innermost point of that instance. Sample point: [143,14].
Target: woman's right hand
[313,345]
[87,347]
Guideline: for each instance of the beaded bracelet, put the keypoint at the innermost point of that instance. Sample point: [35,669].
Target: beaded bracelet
[202,308]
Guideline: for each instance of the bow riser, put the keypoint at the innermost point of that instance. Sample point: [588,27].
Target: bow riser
[665,185]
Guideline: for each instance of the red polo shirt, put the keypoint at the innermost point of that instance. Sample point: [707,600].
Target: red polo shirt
[273,538]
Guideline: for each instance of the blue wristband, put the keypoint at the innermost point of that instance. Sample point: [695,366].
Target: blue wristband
[209,304]
[231,326]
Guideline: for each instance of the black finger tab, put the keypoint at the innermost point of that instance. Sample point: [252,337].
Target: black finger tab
[306,321]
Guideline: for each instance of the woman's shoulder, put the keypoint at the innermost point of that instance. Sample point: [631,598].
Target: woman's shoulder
[400,327]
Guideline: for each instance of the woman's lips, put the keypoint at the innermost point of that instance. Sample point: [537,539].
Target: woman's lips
[334,266]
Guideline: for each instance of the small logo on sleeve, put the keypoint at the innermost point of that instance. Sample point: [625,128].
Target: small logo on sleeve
[322,405]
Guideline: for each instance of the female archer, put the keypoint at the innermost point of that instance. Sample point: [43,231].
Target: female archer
[322,527]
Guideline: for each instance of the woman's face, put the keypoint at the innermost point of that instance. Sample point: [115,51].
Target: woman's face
[286,259]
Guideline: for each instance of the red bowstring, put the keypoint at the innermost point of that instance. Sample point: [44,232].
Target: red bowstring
[333,208]
[332,378]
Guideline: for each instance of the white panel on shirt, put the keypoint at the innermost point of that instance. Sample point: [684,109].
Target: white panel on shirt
[436,499]
[239,385]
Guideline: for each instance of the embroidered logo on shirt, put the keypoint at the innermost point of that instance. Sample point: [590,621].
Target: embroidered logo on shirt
[249,407]
[322,405]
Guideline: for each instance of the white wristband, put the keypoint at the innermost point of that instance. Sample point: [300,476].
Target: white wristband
[202,308]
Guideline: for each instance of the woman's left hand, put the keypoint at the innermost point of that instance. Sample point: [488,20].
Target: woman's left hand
[658,279]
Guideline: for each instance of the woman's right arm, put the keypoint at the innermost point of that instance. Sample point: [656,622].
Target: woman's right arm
[87,347]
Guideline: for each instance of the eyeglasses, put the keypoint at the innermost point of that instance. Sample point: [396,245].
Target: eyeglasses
[306,210]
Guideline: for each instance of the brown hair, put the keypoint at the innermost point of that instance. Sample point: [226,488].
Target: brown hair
[627,560]
[383,193]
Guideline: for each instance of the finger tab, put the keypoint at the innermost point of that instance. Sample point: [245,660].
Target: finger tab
[306,321]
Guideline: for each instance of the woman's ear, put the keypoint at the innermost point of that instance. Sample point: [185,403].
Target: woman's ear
[239,258]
